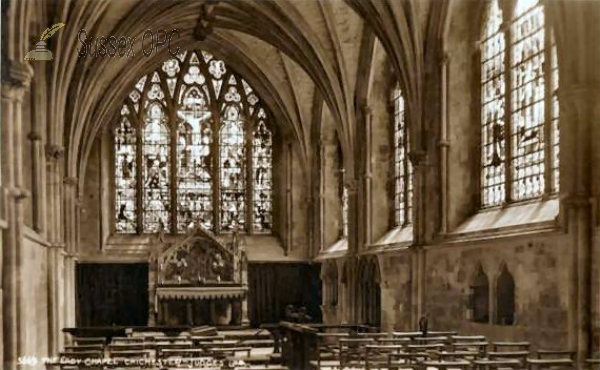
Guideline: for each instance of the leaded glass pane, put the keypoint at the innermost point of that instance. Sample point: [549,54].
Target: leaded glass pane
[125,178]
[194,158]
[345,210]
[156,168]
[262,155]
[493,110]
[555,116]
[232,169]
[528,101]
[402,165]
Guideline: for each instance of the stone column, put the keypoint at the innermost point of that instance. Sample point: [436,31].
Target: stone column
[14,83]
[71,225]
[420,203]
[579,115]
[53,214]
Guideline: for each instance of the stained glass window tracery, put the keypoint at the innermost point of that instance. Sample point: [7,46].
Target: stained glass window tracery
[197,143]
[402,166]
[527,167]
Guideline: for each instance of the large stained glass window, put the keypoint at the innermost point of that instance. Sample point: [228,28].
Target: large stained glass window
[198,130]
[402,166]
[262,154]
[519,129]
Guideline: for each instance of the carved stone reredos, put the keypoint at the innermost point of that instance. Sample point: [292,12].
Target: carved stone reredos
[197,260]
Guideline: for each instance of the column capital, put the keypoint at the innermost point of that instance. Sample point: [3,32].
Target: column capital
[16,77]
[34,136]
[417,157]
[18,194]
[351,185]
[365,108]
[70,181]
[54,152]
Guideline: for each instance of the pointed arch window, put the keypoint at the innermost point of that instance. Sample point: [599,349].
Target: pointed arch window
[403,186]
[189,135]
[519,106]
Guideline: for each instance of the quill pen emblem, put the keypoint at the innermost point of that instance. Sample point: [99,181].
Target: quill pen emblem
[51,31]
[40,52]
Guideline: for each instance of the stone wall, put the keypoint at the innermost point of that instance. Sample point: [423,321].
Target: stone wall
[595,287]
[34,296]
[539,266]
[396,291]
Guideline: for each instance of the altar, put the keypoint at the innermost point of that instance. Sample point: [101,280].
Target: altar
[198,281]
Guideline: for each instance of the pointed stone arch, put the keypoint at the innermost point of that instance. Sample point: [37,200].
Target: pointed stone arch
[480,296]
[505,297]
[369,278]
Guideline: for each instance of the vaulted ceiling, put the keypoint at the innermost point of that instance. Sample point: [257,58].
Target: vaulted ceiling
[289,50]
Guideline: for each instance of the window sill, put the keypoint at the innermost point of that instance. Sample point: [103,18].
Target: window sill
[337,250]
[398,238]
[511,220]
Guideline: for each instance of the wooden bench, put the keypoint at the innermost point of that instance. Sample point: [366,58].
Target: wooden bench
[378,355]
[547,363]
[511,355]
[224,353]
[510,346]
[89,341]
[352,351]
[457,355]
[407,334]
[181,352]
[447,364]
[375,336]
[551,353]
[84,347]
[486,364]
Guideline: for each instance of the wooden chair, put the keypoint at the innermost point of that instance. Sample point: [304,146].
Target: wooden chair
[431,339]
[327,353]
[89,341]
[480,348]
[378,355]
[407,334]
[510,350]
[84,347]
[181,352]
[393,341]
[593,363]
[563,359]
[127,340]
[486,364]
[441,365]
[375,336]
[352,351]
